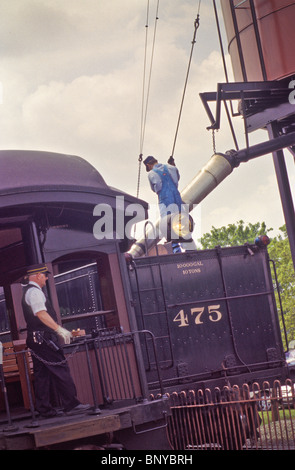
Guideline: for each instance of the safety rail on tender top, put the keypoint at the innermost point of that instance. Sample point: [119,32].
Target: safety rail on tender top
[104,368]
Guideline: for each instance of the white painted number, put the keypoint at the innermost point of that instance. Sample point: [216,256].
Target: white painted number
[292,94]
[199,311]
[181,318]
[213,310]
[198,314]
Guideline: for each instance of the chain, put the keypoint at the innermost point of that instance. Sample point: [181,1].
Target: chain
[48,363]
[138,177]
[213,141]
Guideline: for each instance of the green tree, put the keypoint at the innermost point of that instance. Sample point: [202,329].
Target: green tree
[280,253]
[233,234]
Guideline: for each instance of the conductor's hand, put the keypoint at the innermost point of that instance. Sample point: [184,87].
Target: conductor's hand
[64,334]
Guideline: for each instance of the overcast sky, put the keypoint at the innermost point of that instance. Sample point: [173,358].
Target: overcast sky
[72,73]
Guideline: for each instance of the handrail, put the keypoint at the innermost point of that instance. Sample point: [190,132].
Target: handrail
[110,367]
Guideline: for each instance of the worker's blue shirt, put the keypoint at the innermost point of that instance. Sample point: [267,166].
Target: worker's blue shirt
[164,181]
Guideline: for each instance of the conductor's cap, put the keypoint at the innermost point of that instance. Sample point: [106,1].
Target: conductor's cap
[37,268]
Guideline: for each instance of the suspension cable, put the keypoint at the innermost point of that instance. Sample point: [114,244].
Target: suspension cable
[145,99]
[142,100]
[144,77]
[196,26]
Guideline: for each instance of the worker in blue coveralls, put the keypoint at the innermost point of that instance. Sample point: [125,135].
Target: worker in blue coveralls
[163,179]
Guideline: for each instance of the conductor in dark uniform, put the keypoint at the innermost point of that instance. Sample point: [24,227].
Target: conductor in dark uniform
[43,335]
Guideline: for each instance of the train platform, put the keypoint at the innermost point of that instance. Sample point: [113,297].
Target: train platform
[25,432]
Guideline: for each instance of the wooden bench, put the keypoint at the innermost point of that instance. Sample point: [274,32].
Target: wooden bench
[14,367]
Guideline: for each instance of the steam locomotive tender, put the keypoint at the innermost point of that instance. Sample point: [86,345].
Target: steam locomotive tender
[213,314]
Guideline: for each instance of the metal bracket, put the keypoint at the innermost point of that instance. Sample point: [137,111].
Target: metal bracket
[154,428]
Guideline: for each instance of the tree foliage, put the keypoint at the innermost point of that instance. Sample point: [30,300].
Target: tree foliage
[280,253]
[233,234]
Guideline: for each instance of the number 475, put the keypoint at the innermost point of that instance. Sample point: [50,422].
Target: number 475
[198,314]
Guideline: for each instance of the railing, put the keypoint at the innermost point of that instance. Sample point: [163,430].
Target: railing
[4,320]
[253,418]
[112,365]
[103,366]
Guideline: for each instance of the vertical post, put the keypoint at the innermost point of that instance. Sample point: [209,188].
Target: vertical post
[238,39]
[95,409]
[284,188]
[258,40]
[32,243]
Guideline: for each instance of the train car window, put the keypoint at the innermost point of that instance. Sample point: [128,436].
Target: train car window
[10,236]
[79,296]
